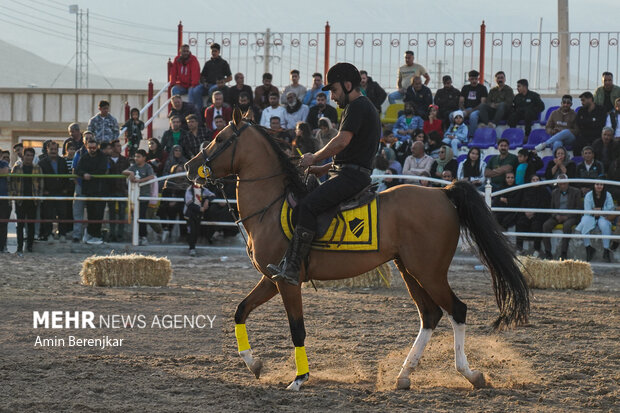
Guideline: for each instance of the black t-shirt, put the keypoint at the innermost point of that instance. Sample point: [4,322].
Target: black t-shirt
[362,119]
[215,68]
[473,95]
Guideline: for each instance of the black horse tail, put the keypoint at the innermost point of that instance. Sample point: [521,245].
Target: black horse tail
[495,251]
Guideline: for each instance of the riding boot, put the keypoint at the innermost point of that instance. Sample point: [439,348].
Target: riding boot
[289,267]
[589,253]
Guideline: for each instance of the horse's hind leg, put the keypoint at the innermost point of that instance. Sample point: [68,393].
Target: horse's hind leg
[263,292]
[430,314]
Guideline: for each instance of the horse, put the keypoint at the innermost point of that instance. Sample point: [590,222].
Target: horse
[419,229]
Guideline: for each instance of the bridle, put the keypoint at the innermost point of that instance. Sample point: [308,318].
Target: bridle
[204,171]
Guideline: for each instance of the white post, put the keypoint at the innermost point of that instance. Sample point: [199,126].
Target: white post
[134,190]
[487,193]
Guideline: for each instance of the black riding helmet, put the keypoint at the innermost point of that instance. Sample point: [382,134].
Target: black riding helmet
[342,72]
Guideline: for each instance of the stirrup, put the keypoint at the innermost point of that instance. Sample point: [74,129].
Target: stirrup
[283,276]
[276,269]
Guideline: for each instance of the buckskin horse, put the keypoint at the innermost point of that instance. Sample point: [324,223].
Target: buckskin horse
[419,229]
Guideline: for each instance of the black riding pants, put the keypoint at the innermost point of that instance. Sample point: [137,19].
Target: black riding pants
[339,187]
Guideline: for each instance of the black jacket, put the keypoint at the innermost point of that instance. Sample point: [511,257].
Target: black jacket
[56,186]
[314,114]
[529,101]
[375,93]
[93,165]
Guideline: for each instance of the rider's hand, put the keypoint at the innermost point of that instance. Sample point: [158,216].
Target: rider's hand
[319,171]
[307,159]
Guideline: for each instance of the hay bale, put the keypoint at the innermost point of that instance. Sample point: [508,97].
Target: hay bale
[126,270]
[379,277]
[543,274]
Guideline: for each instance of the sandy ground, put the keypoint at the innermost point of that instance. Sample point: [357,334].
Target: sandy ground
[567,359]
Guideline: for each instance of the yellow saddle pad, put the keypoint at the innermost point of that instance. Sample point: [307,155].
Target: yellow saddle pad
[355,229]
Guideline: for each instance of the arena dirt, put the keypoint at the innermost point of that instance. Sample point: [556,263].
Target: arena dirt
[567,359]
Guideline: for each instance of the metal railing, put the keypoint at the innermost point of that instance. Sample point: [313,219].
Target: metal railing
[146,108]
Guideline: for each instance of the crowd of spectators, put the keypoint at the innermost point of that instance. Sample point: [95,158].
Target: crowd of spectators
[431,138]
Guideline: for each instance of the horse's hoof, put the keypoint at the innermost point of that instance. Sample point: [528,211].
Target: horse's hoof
[403,383]
[478,380]
[299,380]
[256,368]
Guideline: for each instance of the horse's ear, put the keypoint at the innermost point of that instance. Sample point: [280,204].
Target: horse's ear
[237,116]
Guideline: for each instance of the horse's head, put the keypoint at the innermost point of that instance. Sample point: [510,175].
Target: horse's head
[216,160]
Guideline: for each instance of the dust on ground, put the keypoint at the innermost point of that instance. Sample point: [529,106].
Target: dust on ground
[567,358]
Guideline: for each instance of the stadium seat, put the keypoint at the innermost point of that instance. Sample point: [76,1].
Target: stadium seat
[391,113]
[488,157]
[515,137]
[551,109]
[545,160]
[577,109]
[536,136]
[461,158]
[339,113]
[577,159]
[483,138]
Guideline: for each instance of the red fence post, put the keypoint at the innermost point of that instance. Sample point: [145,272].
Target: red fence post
[150,109]
[169,79]
[326,67]
[127,109]
[483,30]
[179,37]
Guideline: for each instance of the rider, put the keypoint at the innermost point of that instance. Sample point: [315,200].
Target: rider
[352,149]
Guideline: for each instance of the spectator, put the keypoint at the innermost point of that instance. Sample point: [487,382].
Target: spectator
[605,148]
[5,156]
[295,111]
[217,109]
[406,73]
[173,210]
[433,123]
[561,165]
[372,90]
[185,76]
[445,161]
[140,172]
[434,143]
[75,136]
[500,164]
[607,94]
[239,88]
[447,175]
[173,136]
[418,161]
[94,162]
[407,123]
[498,102]
[220,124]
[326,131]
[590,168]
[523,156]
[447,99]
[472,169]
[54,165]
[274,109]
[561,126]
[286,135]
[380,165]
[5,205]
[304,141]
[103,125]
[220,86]
[157,156]
[312,93]
[183,110]
[614,175]
[213,69]
[472,96]
[78,204]
[26,209]
[510,199]
[18,150]
[457,132]
[600,200]
[590,122]
[526,106]
[563,197]
[175,158]
[197,133]
[420,96]
[197,201]
[613,119]
[295,87]
[133,131]
[262,92]
[117,210]
[532,197]
[245,106]
[320,110]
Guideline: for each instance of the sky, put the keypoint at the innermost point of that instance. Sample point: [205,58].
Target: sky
[133,39]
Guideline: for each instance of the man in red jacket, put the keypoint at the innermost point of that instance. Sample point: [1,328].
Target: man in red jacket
[185,76]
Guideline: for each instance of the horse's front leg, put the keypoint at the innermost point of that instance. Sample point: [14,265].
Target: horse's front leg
[263,292]
[291,296]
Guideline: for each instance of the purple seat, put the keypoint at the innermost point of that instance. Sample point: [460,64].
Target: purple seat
[486,158]
[515,137]
[545,160]
[577,109]
[536,136]
[577,159]
[461,158]
[483,138]
[551,109]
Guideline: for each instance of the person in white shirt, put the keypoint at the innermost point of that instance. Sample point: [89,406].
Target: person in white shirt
[274,109]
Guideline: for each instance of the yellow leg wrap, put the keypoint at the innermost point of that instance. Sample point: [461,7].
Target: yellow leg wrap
[242,337]
[301,361]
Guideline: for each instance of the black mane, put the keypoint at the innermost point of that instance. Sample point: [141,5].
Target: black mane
[294,181]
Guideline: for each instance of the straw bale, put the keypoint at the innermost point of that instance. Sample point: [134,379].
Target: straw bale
[550,274]
[126,270]
[379,277]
